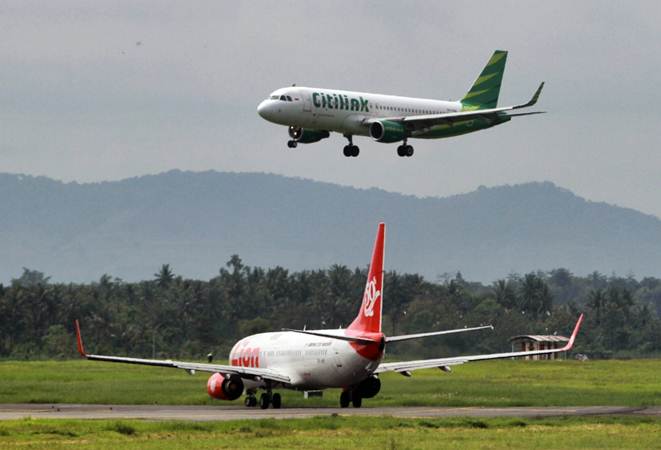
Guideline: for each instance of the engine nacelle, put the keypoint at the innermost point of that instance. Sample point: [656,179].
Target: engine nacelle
[387,131]
[369,387]
[306,135]
[223,387]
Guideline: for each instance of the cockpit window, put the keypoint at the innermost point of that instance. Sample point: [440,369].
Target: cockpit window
[282,97]
[289,98]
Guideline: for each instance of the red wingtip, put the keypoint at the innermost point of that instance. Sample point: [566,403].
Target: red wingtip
[572,338]
[79,340]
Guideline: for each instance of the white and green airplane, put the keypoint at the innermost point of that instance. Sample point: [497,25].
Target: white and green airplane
[312,113]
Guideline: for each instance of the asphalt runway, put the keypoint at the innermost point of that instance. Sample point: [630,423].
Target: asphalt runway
[206,413]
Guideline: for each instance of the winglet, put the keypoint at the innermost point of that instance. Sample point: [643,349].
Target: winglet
[570,344]
[79,340]
[534,98]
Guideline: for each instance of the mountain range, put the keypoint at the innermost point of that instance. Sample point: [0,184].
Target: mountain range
[195,221]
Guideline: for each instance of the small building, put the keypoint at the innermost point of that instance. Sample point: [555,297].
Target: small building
[532,342]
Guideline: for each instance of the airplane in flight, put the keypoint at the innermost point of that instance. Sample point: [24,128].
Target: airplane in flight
[313,113]
[313,360]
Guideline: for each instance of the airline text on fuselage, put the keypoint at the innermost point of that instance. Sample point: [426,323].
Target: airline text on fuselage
[340,101]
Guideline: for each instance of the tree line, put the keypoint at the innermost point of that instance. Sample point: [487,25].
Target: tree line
[172,316]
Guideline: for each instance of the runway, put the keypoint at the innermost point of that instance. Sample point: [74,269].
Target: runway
[208,413]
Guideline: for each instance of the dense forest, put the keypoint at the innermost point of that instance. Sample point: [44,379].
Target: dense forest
[184,318]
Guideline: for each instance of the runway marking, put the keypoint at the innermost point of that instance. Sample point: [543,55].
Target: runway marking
[210,413]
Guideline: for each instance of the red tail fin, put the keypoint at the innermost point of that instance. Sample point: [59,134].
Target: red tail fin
[369,316]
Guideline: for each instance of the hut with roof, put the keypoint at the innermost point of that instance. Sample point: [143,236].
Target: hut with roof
[531,342]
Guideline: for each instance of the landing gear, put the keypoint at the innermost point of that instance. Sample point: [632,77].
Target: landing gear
[350,150]
[345,399]
[265,400]
[276,401]
[292,144]
[350,397]
[250,401]
[405,150]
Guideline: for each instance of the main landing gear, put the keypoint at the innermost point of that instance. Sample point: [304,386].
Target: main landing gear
[350,150]
[405,150]
[265,400]
[352,397]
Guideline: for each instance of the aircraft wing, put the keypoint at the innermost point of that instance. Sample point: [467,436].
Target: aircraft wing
[427,120]
[405,367]
[245,372]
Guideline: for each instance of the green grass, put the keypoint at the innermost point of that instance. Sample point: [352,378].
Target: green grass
[339,432]
[495,383]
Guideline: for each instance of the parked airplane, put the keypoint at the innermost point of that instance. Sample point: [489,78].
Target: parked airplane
[302,360]
[312,113]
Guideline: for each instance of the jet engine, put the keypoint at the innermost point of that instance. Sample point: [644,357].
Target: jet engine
[225,387]
[369,387]
[387,131]
[306,135]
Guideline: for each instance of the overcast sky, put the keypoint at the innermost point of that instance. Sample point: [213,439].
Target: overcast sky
[107,90]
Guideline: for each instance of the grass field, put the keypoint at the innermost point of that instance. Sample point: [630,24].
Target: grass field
[494,383]
[340,433]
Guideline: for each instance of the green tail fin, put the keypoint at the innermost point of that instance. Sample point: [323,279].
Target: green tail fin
[484,92]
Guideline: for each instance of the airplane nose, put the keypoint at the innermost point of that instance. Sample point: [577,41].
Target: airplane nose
[262,109]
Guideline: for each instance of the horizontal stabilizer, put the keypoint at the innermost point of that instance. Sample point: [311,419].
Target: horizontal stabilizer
[341,337]
[407,337]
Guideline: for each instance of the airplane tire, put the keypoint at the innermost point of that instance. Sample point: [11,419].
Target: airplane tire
[251,401]
[264,401]
[357,401]
[345,399]
[354,150]
[276,401]
[400,151]
[292,144]
[409,151]
[347,151]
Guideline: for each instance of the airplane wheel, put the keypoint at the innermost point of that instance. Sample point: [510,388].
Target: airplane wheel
[292,144]
[357,401]
[251,401]
[354,150]
[264,401]
[345,399]
[401,151]
[276,401]
[347,150]
[409,151]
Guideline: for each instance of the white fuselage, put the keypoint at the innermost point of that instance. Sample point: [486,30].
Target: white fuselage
[343,111]
[311,362]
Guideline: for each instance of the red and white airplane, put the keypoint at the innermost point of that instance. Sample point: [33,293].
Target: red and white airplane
[306,360]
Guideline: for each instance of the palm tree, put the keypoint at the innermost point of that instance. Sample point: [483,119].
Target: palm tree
[164,276]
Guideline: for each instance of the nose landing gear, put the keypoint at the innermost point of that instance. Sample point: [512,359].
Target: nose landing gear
[292,144]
